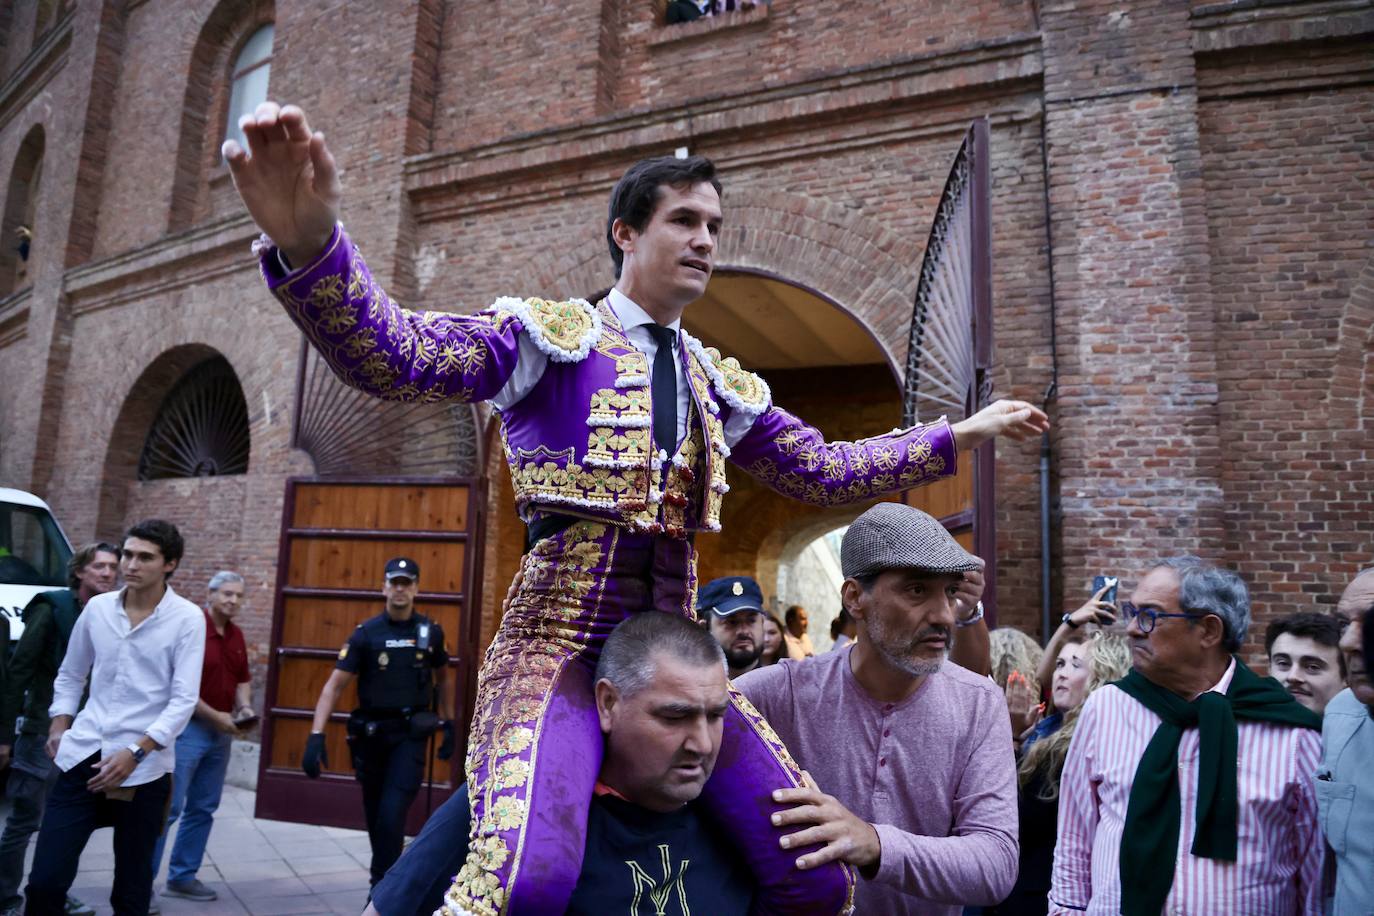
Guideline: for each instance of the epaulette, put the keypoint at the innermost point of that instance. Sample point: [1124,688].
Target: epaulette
[737,387]
[565,332]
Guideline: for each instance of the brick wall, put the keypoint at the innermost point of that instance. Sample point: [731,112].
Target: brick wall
[1288,221]
[1137,438]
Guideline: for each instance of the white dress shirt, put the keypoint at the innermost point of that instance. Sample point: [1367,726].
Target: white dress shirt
[145,680]
[529,367]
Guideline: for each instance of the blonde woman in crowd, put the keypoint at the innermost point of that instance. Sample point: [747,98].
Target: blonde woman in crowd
[1086,662]
[1015,658]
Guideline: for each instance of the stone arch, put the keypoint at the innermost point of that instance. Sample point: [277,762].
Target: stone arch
[865,270]
[792,544]
[798,538]
[135,417]
[21,203]
[206,102]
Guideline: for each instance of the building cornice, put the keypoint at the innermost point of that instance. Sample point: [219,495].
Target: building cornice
[1254,23]
[14,316]
[219,248]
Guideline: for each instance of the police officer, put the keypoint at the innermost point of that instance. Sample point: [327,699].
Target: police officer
[399,660]
[732,610]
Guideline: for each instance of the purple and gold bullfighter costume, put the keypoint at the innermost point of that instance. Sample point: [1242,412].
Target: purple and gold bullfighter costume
[580,444]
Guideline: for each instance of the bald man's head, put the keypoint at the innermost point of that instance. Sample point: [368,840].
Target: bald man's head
[1358,596]
[1355,603]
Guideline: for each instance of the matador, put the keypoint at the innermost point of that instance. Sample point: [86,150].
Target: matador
[617,426]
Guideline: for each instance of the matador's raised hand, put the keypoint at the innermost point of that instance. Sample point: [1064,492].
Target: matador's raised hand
[1016,420]
[287,179]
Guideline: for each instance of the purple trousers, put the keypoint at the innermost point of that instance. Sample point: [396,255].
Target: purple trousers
[535,745]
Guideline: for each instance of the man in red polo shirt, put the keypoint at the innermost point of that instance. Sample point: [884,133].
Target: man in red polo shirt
[202,751]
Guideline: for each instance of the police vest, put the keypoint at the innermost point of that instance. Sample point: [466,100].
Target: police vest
[395,667]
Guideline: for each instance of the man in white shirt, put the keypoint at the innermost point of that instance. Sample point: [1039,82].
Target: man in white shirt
[797,638]
[142,648]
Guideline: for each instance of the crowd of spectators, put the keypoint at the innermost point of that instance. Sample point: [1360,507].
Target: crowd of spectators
[109,691]
[1138,734]
[1141,739]
[1132,765]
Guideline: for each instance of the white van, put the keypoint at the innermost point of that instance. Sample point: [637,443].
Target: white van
[34,552]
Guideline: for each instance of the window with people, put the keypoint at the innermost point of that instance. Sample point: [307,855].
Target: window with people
[679,11]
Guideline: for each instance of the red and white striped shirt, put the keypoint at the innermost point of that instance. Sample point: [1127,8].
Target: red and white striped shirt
[1279,849]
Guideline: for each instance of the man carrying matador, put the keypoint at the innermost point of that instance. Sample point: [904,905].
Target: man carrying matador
[616,425]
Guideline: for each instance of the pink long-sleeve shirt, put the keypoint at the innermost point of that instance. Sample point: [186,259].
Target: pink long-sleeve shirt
[1279,848]
[934,774]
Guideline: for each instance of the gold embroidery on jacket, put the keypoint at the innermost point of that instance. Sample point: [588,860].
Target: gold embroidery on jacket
[619,470]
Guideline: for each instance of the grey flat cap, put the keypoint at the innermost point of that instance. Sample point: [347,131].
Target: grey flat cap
[895,536]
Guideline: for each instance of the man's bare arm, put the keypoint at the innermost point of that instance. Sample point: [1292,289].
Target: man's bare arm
[220,720]
[329,697]
[243,698]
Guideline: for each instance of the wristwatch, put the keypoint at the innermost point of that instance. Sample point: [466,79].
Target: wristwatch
[137,750]
[973,618]
[1067,620]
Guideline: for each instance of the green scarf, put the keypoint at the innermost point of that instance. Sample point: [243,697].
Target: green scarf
[1149,841]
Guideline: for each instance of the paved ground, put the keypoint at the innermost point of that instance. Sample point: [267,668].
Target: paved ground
[266,868]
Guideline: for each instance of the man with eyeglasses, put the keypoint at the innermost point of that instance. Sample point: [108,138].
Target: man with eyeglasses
[1188,786]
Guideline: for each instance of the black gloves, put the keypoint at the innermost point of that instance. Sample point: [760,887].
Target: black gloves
[446,747]
[315,757]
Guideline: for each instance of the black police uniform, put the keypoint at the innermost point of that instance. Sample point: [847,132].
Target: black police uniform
[387,734]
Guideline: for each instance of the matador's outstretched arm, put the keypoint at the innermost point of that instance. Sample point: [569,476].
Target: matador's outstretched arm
[403,355]
[794,458]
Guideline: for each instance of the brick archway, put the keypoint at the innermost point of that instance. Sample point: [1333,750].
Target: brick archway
[868,271]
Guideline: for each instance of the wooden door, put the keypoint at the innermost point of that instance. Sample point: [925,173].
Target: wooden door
[337,535]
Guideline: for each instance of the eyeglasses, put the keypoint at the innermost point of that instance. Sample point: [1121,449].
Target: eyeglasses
[1145,617]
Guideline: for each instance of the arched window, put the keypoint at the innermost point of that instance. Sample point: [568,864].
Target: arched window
[201,429]
[17,228]
[249,80]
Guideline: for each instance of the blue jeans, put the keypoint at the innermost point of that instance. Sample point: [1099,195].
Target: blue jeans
[202,754]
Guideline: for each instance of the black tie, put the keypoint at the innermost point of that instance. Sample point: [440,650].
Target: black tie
[664,386]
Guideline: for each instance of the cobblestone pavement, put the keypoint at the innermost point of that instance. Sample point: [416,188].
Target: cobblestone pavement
[266,868]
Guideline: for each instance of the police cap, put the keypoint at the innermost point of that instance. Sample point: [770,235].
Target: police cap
[402,568]
[723,597]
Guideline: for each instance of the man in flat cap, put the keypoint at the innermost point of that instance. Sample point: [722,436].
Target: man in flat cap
[732,609]
[400,664]
[915,785]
